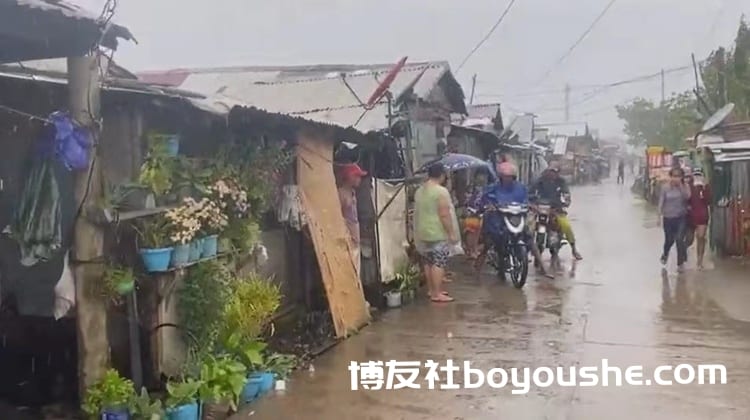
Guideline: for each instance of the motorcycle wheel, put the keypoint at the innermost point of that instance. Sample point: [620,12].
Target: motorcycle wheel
[519,266]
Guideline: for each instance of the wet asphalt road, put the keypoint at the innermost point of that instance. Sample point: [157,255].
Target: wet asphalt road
[616,304]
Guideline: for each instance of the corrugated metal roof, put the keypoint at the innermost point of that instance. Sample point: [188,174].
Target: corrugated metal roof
[319,93]
[483,110]
[523,126]
[559,145]
[36,29]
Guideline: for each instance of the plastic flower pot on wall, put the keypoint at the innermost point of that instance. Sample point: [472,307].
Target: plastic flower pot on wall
[184,412]
[173,145]
[225,245]
[156,260]
[181,255]
[215,411]
[115,414]
[196,249]
[210,246]
[251,391]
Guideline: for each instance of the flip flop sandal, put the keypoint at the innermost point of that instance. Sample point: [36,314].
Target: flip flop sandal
[443,299]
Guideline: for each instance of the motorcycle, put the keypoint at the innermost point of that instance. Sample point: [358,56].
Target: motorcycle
[508,253]
[547,234]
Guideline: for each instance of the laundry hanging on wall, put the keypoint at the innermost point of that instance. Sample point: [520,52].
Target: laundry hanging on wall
[37,220]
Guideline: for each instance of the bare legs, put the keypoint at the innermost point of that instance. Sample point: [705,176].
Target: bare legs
[700,242]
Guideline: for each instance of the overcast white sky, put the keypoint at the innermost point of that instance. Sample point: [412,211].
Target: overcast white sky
[636,37]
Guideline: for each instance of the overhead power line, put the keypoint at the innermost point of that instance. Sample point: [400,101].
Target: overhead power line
[578,42]
[486,37]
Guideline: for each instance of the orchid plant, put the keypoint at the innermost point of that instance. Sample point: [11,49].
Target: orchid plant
[230,197]
[184,221]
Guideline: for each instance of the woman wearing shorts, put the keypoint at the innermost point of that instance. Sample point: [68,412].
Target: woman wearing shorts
[435,230]
[698,204]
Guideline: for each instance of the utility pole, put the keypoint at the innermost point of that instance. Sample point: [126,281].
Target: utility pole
[663,87]
[473,87]
[567,103]
[88,238]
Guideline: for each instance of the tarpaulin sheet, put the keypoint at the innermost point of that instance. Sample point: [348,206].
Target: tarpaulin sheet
[391,228]
[330,236]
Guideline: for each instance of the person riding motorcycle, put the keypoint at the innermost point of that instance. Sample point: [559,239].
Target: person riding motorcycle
[502,192]
[551,187]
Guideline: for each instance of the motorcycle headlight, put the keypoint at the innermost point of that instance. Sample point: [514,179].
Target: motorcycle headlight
[515,220]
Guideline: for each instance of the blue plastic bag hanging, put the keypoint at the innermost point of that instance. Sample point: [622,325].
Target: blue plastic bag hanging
[70,143]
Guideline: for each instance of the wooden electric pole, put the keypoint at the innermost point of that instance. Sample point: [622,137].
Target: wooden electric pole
[663,87]
[88,239]
[567,103]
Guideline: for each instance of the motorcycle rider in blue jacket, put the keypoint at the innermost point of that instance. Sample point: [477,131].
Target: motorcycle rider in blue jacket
[506,190]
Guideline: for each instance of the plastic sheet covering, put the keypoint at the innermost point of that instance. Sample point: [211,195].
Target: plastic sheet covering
[391,228]
[37,223]
[65,291]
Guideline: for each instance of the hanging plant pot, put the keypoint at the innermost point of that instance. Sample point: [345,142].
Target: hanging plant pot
[210,246]
[156,260]
[184,412]
[215,411]
[125,287]
[196,249]
[180,255]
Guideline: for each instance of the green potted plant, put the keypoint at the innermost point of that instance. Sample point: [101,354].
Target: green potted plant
[143,407]
[250,354]
[279,367]
[182,400]
[117,282]
[254,299]
[154,243]
[158,169]
[222,379]
[407,279]
[110,397]
[185,225]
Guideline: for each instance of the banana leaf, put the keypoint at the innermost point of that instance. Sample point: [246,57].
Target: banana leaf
[37,222]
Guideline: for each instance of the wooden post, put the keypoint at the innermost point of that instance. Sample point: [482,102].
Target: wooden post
[88,239]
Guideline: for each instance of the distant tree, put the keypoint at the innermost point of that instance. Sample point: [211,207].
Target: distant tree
[667,124]
[726,74]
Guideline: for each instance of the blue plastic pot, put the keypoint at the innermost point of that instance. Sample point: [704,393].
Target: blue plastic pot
[210,246]
[156,260]
[173,145]
[115,414]
[196,249]
[251,391]
[184,412]
[268,379]
[180,255]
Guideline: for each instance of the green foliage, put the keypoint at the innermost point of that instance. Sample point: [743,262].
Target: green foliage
[143,407]
[407,277]
[222,379]
[158,169]
[249,353]
[153,232]
[182,393]
[281,365]
[201,305]
[111,391]
[243,233]
[667,124]
[726,74]
[116,282]
[254,300]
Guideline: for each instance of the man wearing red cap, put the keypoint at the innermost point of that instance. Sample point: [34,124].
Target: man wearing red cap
[350,179]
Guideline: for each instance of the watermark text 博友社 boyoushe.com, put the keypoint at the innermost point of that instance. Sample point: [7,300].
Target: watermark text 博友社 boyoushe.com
[393,375]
